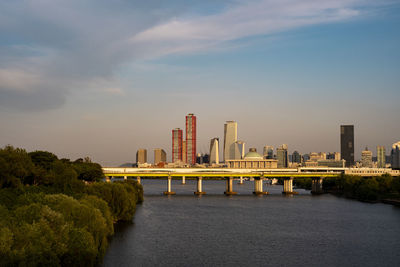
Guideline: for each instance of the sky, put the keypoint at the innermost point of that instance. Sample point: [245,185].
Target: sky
[104,78]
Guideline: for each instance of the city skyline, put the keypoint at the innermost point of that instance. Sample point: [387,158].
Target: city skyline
[231,145]
[288,72]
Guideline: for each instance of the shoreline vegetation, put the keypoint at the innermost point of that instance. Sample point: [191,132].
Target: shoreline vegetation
[385,188]
[57,212]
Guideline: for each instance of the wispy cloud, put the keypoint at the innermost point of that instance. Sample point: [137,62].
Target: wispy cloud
[246,19]
[49,48]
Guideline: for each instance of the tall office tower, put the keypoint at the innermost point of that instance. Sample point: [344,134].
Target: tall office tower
[268,152]
[296,157]
[191,139]
[176,145]
[159,156]
[184,154]
[347,144]
[366,158]
[282,156]
[214,151]
[395,156]
[239,149]
[230,138]
[381,156]
[141,156]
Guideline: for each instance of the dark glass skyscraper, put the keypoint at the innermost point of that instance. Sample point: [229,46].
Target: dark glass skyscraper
[347,144]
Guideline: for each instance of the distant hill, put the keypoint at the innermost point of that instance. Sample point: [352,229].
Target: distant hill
[126,165]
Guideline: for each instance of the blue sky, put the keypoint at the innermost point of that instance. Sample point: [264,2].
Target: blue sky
[104,79]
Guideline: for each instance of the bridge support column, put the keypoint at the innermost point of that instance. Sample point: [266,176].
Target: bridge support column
[288,186]
[138,180]
[108,179]
[316,186]
[125,178]
[258,187]
[240,180]
[229,187]
[169,187]
[183,180]
[199,190]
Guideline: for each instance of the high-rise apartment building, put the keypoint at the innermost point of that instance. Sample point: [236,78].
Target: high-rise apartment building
[159,156]
[268,152]
[395,156]
[184,154]
[176,145]
[282,156]
[230,138]
[381,156]
[214,151]
[366,158]
[141,156]
[347,144]
[191,139]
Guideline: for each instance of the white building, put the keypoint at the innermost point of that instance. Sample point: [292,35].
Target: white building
[230,138]
[395,155]
[214,151]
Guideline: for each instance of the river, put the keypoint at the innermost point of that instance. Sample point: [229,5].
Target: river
[246,230]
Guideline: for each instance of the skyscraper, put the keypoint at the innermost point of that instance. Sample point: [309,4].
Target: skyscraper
[214,151]
[366,158]
[239,149]
[395,155]
[230,138]
[191,139]
[141,156]
[381,156]
[159,156]
[282,156]
[296,157]
[347,144]
[176,145]
[184,154]
[268,152]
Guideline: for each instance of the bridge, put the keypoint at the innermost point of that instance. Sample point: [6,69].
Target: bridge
[317,174]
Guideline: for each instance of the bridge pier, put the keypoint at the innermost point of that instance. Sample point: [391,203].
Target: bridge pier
[316,186]
[125,178]
[288,186]
[199,186]
[240,180]
[169,188]
[258,187]
[183,180]
[229,187]
[108,179]
[138,180]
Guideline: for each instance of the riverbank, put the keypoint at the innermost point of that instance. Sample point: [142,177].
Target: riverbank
[54,212]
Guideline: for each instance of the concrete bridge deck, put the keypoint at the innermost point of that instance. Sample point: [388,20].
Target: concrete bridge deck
[317,174]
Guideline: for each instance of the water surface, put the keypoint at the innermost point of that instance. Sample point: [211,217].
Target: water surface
[246,230]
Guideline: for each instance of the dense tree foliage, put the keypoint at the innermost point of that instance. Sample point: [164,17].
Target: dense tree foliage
[50,215]
[364,188]
[305,183]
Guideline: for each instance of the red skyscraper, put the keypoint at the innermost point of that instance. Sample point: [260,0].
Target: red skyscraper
[176,145]
[191,139]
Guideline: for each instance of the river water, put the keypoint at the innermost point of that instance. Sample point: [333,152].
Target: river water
[246,230]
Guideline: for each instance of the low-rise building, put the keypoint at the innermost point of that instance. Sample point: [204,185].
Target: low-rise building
[252,160]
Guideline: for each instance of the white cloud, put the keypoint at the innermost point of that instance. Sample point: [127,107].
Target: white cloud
[249,18]
[49,48]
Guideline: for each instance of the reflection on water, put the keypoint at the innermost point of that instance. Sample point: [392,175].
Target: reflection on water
[245,230]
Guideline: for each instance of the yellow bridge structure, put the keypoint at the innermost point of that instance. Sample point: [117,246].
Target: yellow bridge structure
[317,174]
